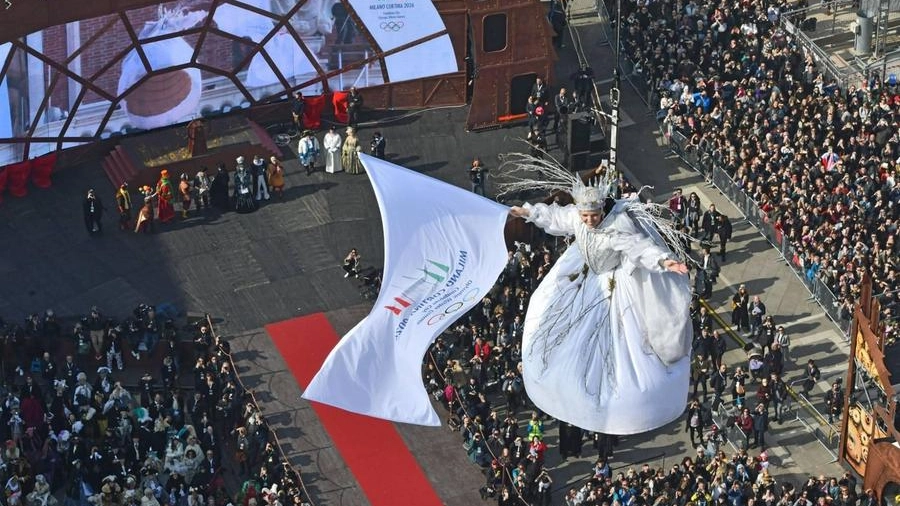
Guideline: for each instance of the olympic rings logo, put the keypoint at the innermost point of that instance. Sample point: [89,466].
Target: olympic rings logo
[470,295]
[391,26]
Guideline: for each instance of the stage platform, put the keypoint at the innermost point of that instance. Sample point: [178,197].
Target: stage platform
[138,159]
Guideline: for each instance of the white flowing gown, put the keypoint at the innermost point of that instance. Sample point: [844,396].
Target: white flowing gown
[607,336]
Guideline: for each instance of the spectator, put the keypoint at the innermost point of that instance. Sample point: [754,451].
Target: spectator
[678,205]
[757,311]
[724,232]
[740,309]
[812,377]
[780,396]
[540,92]
[694,422]
[834,401]
[718,382]
[744,422]
[706,274]
[709,223]
[562,103]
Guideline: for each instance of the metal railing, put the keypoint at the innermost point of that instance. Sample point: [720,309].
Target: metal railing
[627,67]
[704,162]
[843,76]
[827,438]
[825,432]
[731,432]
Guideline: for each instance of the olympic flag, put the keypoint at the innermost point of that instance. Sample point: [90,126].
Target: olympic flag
[443,250]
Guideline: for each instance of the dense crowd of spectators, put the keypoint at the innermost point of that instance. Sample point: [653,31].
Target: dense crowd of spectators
[95,411]
[474,371]
[820,160]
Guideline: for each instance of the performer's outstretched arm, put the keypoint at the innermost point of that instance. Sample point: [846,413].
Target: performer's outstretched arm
[553,219]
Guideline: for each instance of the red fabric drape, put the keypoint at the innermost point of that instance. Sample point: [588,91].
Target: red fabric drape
[339,99]
[18,178]
[312,112]
[4,174]
[41,169]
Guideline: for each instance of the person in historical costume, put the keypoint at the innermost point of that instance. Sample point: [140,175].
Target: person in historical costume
[219,189]
[275,174]
[350,153]
[607,335]
[186,193]
[123,204]
[196,131]
[308,151]
[332,143]
[144,221]
[243,188]
[93,213]
[260,181]
[165,195]
[145,215]
[202,185]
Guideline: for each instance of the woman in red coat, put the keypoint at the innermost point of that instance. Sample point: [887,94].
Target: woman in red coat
[165,193]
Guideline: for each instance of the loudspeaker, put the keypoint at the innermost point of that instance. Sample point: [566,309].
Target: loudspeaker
[579,132]
[808,25]
[579,161]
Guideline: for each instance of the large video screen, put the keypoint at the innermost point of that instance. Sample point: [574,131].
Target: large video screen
[175,61]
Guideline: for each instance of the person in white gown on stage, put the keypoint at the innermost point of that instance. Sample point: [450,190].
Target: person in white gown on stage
[607,335]
[332,144]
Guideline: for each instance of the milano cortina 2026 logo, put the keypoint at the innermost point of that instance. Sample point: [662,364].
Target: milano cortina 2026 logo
[436,291]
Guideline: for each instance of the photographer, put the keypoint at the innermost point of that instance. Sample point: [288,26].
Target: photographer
[477,176]
[352,264]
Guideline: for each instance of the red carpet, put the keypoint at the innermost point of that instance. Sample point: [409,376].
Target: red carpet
[376,455]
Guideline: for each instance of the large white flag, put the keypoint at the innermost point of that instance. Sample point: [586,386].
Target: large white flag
[443,250]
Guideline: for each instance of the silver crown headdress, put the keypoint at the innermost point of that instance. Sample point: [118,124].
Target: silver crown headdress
[523,172]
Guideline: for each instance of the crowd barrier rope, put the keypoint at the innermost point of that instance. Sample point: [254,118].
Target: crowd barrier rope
[307,499]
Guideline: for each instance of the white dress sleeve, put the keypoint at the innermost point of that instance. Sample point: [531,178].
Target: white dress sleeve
[638,250]
[553,219]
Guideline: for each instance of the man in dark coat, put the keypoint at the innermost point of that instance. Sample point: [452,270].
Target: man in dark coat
[709,223]
[219,190]
[834,400]
[93,213]
[724,232]
[760,425]
[354,107]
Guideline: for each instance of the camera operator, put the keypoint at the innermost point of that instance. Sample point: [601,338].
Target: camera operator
[352,264]
[477,175]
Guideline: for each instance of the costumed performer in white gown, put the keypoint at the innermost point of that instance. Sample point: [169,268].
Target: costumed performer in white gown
[332,144]
[607,336]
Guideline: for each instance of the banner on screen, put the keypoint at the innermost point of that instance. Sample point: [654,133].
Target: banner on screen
[444,249]
[235,74]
